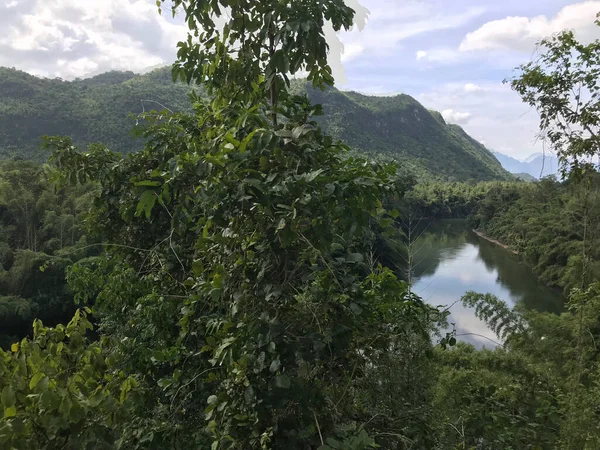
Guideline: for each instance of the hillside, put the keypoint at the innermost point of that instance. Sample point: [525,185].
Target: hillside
[90,110]
[401,128]
[525,177]
[97,109]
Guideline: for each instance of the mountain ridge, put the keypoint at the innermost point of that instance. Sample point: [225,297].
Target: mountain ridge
[99,108]
[537,165]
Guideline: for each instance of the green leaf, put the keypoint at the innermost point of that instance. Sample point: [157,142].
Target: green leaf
[148,183]
[36,379]
[76,413]
[275,365]
[9,412]
[146,203]
[197,267]
[283,381]
[314,174]
[333,443]
[50,400]
[8,396]
[356,309]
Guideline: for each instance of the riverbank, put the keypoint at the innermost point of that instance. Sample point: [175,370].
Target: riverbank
[494,241]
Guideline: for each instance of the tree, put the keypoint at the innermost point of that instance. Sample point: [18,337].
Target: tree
[562,84]
[55,391]
[259,45]
[236,276]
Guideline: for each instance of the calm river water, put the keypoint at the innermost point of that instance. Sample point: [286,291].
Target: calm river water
[452,260]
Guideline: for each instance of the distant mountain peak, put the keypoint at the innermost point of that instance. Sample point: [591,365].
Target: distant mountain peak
[537,164]
[533,157]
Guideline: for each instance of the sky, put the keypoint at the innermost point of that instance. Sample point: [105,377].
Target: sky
[451,55]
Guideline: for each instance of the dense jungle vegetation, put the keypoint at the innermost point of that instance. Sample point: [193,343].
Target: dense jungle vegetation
[227,276]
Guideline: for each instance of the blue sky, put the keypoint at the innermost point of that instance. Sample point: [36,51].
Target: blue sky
[451,55]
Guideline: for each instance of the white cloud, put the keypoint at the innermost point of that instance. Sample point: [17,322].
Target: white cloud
[351,51]
[470,87]
[73,38]
[76,38]
[439,55]
[390,22]
[457,117]
[522,33]
[509,127]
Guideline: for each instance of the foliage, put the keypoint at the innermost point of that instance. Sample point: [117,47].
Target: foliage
[539,391]
[444,200]
[238,280]
[39,226]
[57,393]
[501,319]
[91,110]
[562,84]
[238,299]
[553,225]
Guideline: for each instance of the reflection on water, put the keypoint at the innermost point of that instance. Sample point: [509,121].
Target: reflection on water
[451,260]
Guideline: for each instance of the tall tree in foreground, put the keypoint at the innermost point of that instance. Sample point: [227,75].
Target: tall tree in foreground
[562,84]
[236,284]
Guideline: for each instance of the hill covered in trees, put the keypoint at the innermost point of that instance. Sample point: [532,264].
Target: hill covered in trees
[98,109]
[90,110]
[401,128]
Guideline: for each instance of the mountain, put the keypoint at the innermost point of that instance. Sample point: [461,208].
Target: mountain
[401,128]
[531,158]
[90,110]
[537,165]
[98,109]
[525,177]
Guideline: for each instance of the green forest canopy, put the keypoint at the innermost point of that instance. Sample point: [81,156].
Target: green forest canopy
[238,303]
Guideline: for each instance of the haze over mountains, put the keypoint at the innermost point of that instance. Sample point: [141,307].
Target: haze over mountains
[97,109]
[537,165]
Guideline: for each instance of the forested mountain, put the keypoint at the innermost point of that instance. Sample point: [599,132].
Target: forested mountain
[97,110]
[90,110]
[402,128]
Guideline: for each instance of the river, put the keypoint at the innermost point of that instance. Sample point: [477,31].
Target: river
[451,260]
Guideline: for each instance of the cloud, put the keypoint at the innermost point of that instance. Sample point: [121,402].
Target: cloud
[457,117]
[351,51]
[509,127]
[73,38]
[522,33]
[470,87]
[439,55]
[390,22]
